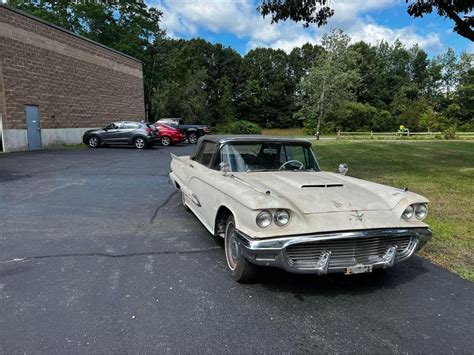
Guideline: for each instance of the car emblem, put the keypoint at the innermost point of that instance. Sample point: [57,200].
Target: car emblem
[358,216]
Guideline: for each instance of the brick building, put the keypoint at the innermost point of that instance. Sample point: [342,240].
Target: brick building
[54,84]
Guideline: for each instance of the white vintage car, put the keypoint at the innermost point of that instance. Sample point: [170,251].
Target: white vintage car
[269,200]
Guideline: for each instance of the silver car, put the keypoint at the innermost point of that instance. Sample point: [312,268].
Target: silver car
[141,135]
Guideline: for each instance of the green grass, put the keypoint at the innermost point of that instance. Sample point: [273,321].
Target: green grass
[284,132]
[442,171]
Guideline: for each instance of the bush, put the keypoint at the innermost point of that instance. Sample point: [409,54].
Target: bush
[309,130]
[358,117]
[450,133]
[240,127]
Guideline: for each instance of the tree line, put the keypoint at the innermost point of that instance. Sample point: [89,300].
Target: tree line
[337,85]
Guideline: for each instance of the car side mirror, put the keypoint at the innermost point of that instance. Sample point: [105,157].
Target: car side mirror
[343,168]
[224,168]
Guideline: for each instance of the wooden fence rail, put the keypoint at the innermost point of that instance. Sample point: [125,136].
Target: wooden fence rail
[399,135]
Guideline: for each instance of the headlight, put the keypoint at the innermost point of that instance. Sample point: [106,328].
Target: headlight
[264,219]
[421,210]
[281,218]
[408,214]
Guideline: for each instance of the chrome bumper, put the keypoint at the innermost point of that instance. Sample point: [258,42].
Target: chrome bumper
[347,252]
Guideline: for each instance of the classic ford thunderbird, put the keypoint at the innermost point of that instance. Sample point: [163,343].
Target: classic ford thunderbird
[269,200]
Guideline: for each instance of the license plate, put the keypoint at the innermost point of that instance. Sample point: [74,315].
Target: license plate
[358,269]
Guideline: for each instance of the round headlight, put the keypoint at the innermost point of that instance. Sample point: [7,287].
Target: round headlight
[408,214]
[281,218]
[264,219]
[421,210]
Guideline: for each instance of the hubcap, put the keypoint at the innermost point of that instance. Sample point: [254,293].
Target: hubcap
[93,142]
[165,141]
[232,247]
[139,143]
[192,138]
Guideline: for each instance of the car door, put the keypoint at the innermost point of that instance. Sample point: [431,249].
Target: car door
[200,183]
[111,133]
[127,131]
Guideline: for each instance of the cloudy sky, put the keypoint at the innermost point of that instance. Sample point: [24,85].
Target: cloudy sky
[236,23]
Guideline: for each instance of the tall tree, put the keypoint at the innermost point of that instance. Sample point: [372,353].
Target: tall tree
[452,9]
[332,79]
[319,11]
[267,97]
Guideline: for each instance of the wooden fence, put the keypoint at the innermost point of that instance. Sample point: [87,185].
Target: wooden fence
[398,135]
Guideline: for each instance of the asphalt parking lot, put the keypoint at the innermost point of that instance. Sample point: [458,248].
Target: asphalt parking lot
[98,256]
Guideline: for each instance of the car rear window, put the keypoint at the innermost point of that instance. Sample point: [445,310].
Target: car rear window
[206,152]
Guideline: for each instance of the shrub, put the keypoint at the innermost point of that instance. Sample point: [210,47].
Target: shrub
[240,127]
[450,133]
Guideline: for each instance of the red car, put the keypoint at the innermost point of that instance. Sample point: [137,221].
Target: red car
[169,135]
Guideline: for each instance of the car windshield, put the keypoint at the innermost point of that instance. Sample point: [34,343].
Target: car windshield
[272,156]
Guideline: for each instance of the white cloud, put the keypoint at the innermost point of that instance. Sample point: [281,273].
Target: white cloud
[214,15]
[374,33]
[239,17]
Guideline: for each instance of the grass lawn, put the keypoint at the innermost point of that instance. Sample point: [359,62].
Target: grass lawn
[285,132]
[442,171]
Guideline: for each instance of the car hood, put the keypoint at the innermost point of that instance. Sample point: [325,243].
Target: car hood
[96,130]
[322,192]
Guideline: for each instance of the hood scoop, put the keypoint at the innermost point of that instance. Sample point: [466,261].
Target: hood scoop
[322,185]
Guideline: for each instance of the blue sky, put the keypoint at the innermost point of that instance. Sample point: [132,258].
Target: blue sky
[237,24]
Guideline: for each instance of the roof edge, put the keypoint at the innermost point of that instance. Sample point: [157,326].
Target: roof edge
[20,12]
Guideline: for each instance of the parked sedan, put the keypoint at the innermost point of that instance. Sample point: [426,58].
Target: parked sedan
[169,135]
[192,132]
[139,134]
[273,206]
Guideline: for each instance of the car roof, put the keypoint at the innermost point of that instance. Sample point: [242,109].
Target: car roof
[220,139]
[223,139]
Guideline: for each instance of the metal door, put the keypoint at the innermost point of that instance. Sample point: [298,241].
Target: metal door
[33,127]
[112,134]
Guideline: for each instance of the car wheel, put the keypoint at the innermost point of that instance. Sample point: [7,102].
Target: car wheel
[94,142]
[166,141]
[193,138]
[240,268]
[139,143]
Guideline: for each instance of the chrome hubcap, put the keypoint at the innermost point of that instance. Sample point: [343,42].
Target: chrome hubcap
[165,141]
[93,142]
[232,247]
[139,143]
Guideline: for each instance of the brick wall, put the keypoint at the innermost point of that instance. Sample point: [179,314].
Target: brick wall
[76,83]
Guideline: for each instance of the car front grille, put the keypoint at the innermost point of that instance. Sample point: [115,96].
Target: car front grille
[349,252]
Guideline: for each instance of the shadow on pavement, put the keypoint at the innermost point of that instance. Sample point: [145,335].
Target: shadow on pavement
[301,285]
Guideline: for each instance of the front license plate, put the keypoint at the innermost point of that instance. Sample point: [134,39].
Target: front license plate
[358,269]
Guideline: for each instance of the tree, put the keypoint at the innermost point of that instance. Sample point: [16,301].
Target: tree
[355,116]
[431,121]
[186,99]
[268,93]
[319,11]
[452,9]
[465,98]
[308,11]
[332,79]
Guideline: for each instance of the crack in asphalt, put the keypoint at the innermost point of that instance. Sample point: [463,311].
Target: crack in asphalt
[109,255]
[152,219]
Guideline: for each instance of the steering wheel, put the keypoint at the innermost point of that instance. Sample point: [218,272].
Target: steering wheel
[292,161]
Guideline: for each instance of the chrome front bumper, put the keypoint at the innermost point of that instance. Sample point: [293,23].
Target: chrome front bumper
[346,252]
